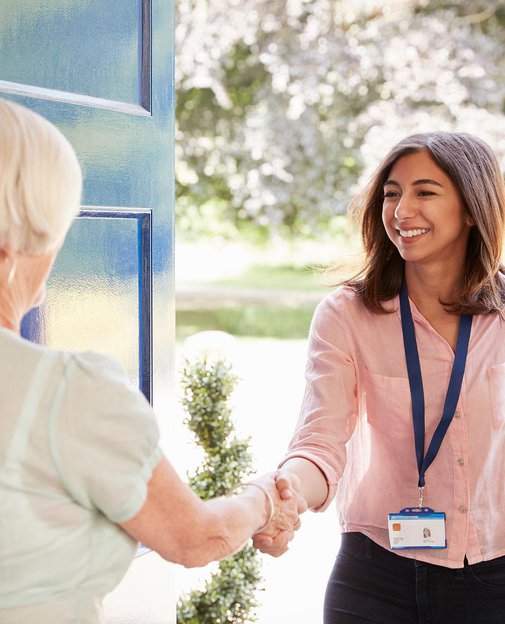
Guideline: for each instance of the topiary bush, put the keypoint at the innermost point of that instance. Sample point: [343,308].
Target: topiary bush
[229,596]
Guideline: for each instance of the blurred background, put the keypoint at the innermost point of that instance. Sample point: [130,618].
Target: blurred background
[283,110]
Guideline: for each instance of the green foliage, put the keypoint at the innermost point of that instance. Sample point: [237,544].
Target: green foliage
[285,108]
[229,595]
[222,470]
[206,390]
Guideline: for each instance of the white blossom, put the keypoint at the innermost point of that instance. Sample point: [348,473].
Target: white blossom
[327,87]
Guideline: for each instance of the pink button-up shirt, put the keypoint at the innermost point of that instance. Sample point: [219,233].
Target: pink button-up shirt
[356,426]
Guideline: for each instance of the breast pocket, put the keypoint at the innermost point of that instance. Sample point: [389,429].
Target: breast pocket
[388,405]
[496,378]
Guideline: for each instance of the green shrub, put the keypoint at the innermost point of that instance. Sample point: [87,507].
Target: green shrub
[229,596]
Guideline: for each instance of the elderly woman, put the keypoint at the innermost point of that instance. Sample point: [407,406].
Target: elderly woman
[74,501]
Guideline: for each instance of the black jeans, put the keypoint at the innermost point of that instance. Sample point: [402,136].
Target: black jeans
[369,584]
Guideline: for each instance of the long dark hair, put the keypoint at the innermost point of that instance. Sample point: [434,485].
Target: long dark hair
[474,170]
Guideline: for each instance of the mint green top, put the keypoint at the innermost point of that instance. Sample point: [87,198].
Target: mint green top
[77,449]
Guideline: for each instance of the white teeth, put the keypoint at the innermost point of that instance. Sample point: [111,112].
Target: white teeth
[411,233]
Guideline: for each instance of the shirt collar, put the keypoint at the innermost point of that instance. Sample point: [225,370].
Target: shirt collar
[393,305]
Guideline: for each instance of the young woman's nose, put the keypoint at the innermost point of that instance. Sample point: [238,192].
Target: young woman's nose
[405,208]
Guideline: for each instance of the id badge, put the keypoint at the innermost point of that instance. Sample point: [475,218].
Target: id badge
[417,527]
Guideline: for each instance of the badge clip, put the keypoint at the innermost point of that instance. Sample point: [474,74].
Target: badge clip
[421,496]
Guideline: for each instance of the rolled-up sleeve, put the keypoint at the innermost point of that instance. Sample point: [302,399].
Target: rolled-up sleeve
[329,408]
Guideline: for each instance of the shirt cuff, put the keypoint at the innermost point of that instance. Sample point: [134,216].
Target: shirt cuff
[325,468]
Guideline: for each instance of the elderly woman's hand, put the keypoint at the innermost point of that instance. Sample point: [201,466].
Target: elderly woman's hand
[288,505]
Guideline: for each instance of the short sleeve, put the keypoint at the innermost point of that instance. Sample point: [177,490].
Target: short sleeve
[329,408]
[104,437]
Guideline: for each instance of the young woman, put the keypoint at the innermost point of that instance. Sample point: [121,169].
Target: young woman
[403,417]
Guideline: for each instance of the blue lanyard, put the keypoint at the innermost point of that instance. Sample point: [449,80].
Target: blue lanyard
[416,384]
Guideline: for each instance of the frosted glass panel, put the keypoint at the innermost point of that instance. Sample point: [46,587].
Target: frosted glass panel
[89,47]
[92,297]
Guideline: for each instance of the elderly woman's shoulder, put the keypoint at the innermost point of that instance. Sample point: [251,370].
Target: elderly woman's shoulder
[96,365]
[86,363]
[19,350]
[93,374]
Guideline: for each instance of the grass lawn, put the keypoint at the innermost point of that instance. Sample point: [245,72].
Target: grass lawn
[277,277]
[250,320]
[267,273]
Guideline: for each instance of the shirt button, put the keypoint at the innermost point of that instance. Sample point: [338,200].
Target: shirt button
[462,509]
[460,462]
[457,414]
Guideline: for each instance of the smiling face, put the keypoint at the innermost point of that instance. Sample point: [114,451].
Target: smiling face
[423,213]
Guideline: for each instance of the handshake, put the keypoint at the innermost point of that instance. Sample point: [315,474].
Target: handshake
[286,507]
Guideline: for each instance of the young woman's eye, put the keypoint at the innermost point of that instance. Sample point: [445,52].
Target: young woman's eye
[390,194]
[426,193]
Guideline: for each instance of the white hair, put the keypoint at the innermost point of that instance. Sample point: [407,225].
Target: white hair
[40,181]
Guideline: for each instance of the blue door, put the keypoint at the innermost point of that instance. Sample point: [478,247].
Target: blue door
[102,71]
